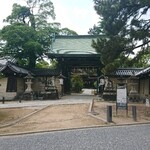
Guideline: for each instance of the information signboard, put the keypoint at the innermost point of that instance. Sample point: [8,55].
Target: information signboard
[121,96]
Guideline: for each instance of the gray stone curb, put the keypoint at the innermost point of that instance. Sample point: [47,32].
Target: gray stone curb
[69,129]
[91,112]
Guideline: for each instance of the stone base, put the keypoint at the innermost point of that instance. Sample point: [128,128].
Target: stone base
[50,96]
[27,96]
[53,94]
[109,95]
[134,97]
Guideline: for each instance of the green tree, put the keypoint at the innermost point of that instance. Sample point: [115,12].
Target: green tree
[142,58]
[42,64]
[29,35]
[35,13]
[76,83]
[126,27]
[66,31]
[53,63]
[22,43]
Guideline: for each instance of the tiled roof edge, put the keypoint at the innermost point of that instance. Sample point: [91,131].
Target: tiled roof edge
[77,36]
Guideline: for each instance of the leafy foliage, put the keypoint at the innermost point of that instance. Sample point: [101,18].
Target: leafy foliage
[76,83]
[66,31]
[22,43]
[36,13]
[126,27]
[29,35]
[42,64]
[54,64]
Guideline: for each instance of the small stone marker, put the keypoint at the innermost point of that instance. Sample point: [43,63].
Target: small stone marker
[3,100]
[109,113]
[134,113]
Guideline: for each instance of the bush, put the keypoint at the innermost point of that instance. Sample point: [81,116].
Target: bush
[76,83]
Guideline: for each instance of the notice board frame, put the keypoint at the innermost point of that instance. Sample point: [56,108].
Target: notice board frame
[122,99]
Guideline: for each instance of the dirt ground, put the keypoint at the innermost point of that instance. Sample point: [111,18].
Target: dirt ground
[35,119]
[51,118]
[122,116]
[10,115]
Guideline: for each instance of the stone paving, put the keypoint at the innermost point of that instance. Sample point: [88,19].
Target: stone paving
[85,97]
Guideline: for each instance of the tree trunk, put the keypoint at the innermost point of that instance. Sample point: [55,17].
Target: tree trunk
[32,61]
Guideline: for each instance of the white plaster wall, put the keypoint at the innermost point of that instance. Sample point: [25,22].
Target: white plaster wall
[20,85]
[146,87]
[3,93]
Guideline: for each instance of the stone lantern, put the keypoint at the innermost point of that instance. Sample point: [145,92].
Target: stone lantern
[134,84]
[133,93]
[28,83]
[53,81]
[28,94]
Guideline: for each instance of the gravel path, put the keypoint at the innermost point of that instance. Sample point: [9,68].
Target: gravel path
[68,99]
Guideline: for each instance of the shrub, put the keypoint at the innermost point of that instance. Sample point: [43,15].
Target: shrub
[76,83]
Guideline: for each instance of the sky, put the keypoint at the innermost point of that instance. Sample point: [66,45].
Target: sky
[77,15]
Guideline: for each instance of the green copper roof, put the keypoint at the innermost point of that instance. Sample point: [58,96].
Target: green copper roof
[80,44]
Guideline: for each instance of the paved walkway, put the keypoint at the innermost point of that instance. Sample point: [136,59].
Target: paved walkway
[85,97]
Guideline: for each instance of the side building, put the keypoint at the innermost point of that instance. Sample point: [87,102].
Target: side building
[20,83]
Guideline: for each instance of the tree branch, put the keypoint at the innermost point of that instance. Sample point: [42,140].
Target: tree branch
[141,45]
